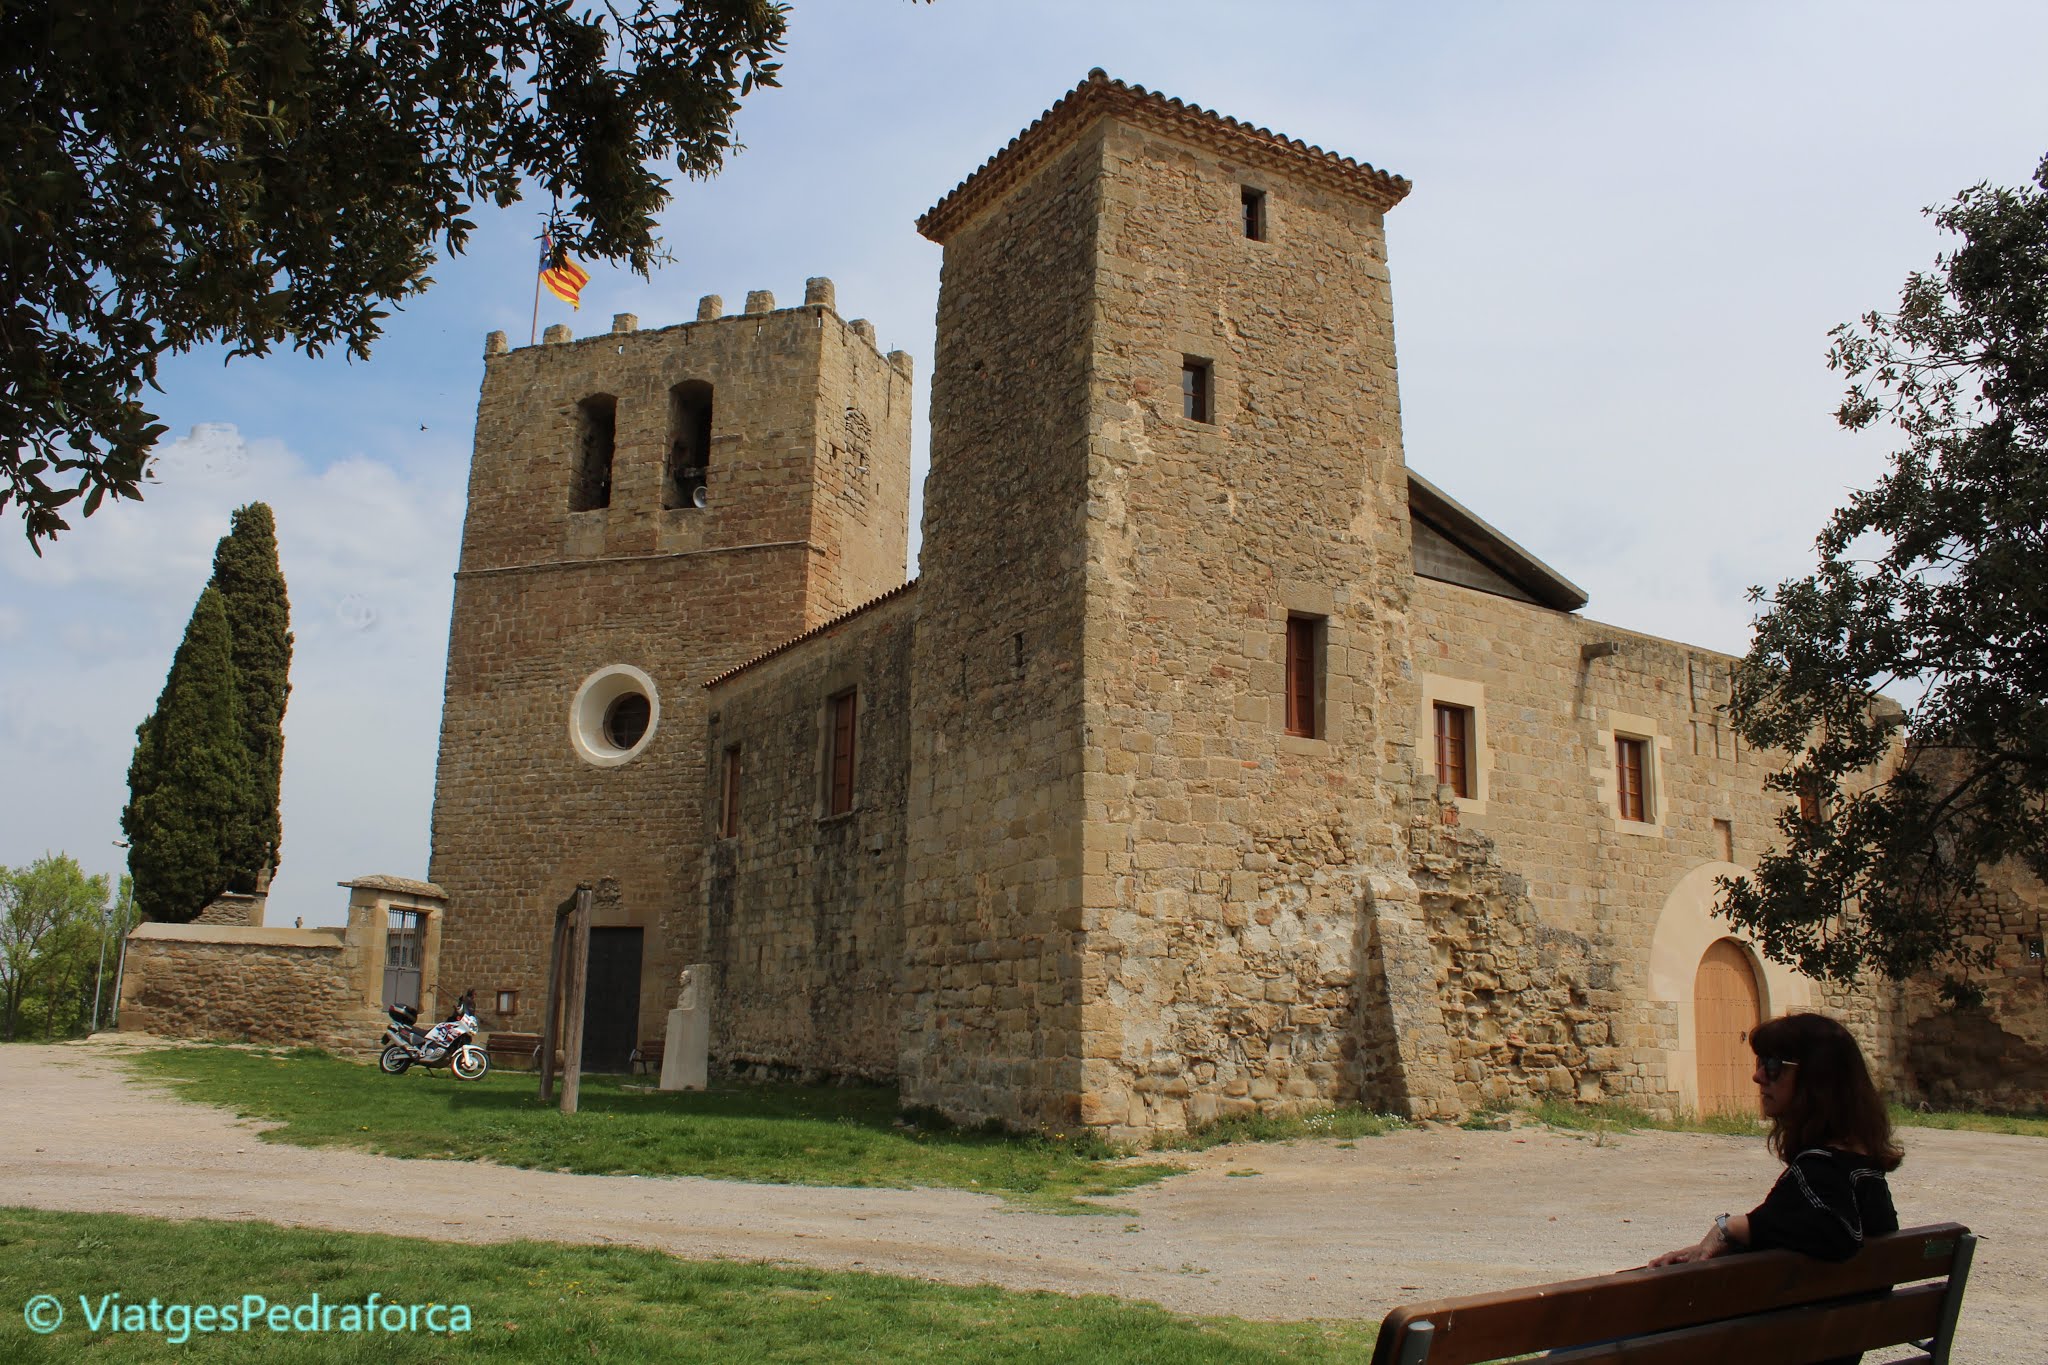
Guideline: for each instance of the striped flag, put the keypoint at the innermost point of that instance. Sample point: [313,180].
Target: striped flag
[564,281]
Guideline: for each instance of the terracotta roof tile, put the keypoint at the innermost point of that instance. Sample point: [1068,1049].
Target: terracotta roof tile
[819,629]
[1099,95]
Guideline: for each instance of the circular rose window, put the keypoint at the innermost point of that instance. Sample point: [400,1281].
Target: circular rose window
[614,716]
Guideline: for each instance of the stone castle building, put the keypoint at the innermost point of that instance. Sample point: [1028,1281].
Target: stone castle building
[1215,760]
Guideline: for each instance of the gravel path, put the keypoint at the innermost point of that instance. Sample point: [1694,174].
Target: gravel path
[1318,1231]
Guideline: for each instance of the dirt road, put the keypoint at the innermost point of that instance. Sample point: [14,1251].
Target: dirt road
[1319,1231]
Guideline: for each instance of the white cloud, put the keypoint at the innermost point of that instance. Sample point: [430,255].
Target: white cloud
[367,549]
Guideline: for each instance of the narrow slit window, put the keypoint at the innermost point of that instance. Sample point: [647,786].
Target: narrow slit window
[729,797]
[1304,664]
[1254,202]
[1453,748]
[597,426]
[1631,766]
[1197,390]
[840,755]
[686,473]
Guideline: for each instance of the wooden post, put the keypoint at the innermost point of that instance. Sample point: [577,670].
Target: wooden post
[579,978]
[551,1007]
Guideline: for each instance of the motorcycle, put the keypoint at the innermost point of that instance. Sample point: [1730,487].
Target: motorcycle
[451,1043]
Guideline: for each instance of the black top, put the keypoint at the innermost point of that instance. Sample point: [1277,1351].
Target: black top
[1824,1205]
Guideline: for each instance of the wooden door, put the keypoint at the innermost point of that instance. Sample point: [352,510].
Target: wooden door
[611,999]
[1725,1009]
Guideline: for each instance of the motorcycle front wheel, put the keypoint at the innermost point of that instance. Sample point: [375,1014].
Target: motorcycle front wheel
[394,1061]
[470,1063]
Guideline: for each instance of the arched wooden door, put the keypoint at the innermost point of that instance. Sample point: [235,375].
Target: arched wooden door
[1725,1009]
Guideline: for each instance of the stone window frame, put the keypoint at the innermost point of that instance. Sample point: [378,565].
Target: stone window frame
[1333,669]
[1471,697]
[592,701]
[1656,759]
[1210,437]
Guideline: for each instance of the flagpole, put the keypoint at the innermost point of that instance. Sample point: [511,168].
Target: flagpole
[534,335]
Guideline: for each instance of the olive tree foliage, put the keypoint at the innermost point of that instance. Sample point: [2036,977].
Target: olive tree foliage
[1932,584]
[188,172]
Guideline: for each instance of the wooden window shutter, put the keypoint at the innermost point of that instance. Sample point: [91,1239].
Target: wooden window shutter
[1301,676]
[1628,764]
[842,753]
[1452,743]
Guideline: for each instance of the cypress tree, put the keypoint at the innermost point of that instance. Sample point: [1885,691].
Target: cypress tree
[251,585]
[188,785]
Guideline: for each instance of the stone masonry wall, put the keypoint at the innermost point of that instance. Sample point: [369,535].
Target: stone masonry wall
[1546,717]
[239,984]
[1227,861]
[546,596]
[992,929]
[1993,1055]
[804,910]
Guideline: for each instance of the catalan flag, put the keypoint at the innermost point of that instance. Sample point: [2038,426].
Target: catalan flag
[566,280]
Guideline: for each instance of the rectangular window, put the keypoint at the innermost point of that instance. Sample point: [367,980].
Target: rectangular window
[729,799]
[1724,839]
[1453,748]
[686,473]
[1197,396]
[1810,807]
[597,424]
[839,756]
[1631,765]
[1303,667]
[1254,213]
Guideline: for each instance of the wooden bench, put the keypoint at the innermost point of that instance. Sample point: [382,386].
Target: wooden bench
[509,1048]
[648,1056]
[1760,1308]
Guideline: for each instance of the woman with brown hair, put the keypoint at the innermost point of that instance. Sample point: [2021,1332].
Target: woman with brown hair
[1829,1127]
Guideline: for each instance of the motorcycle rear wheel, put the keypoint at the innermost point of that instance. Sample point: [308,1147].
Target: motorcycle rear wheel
[394,1061]
[470,1063]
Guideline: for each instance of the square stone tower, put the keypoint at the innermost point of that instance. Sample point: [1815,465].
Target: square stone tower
[1161,711]
[646,509]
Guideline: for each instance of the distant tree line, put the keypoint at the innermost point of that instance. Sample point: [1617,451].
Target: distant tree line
[60,947]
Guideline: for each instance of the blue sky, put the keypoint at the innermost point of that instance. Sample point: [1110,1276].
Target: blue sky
[1631,229]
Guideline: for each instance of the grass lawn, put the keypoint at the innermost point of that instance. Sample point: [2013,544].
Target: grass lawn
[778,1134]
[544,1302]
[2022,1125]
[1623,1117]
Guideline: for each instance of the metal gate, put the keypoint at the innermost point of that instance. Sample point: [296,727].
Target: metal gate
[404,948]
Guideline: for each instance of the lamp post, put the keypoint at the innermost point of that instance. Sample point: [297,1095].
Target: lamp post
[99,977]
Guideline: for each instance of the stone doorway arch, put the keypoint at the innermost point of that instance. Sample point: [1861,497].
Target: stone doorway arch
[1686,929]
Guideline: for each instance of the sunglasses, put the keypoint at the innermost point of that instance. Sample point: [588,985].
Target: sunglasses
[1774,1067]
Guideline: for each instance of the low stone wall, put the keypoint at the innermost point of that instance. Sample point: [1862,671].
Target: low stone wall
[243,984]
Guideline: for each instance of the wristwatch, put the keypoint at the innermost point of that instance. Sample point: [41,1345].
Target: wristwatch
[1721,1226]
